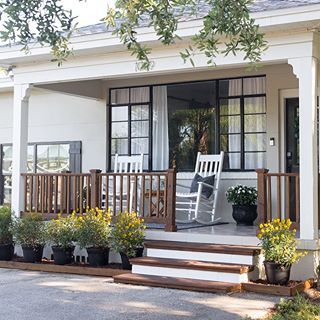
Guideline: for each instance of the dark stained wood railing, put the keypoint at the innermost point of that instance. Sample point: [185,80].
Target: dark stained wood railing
[150,194]
[278,196]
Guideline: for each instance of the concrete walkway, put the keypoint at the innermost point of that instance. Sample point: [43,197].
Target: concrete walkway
[34,295]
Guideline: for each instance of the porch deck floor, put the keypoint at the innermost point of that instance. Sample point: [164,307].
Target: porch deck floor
[220,234]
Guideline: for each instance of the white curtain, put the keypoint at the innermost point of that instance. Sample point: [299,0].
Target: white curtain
[160,129]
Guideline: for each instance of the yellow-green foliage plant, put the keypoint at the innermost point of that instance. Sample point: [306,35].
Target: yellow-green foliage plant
[278,242]
[93,229]
[128,233]
[62,231]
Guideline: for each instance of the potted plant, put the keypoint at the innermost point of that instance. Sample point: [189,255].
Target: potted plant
[244,208]
[61,233]
[93,233]
[30,232]
[128,237]
[280,250]
[6,241]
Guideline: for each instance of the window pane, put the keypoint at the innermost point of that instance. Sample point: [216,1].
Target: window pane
[119,114]
[255,105]
[7,189]
[192,120]
[7,160]
[140,129]
[30,163]
[255,160]
[138,95]
[255,123]
[230,142]
[119,146]
[230,124]
[254,85]
[119,130]
[53,158]
[255,142]
[229,106]
[229,88]
[232,161]
[140,112]
[119,96]
[139,146]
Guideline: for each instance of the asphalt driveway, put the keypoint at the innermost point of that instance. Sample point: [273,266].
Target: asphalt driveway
[34,295]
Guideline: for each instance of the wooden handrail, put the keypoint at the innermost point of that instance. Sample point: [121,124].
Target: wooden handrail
[281,202]
[151,194]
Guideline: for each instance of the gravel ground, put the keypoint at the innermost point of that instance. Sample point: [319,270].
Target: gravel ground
[35,295]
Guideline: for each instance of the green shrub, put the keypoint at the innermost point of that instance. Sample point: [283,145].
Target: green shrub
[242,195]
[93,229]
[5,225]
[62,231]
[128,233]
[30,230]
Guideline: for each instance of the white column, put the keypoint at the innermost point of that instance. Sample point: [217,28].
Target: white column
[20,143]
[306,70]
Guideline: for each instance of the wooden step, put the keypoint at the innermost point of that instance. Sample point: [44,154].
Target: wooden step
[203,247]
[177,283]
[192,264]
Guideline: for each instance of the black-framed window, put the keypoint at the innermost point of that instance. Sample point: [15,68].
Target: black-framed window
[206,116]
[48,157]
[130,123]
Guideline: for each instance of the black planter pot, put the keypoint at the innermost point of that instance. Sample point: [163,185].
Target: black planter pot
[62,256]
[244,215]
[6,252]
[277,273]
[31,254]
[126,265]
[98,257]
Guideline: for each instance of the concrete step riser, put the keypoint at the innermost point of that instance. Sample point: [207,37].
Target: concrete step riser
[201,256]
[191,274]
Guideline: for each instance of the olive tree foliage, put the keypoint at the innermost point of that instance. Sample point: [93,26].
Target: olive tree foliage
[227,24]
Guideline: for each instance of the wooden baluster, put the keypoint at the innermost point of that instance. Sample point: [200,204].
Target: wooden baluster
[107,192]
[158,197]
[75,193]
[287,213]
[121,193]
[128,209]
[171,203]
[135,193]
[279,197]
[81,179]
[143,193]
[150,196]
[269,195]
[56,193]
[42,193]
[165,196]
[50,191]
[62,194]
[37,194]
[25,187]
[31,192]
[68,190]
[88,193]
[114,194]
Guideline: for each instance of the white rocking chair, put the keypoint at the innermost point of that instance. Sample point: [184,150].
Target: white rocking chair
[124,164]
[191,204]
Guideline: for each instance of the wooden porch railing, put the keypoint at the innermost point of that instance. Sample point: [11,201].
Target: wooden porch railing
[278,196]
[152,195]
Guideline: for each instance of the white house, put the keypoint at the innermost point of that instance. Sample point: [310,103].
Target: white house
[76,117]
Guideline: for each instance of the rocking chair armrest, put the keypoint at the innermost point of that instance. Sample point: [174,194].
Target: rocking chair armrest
[182,186]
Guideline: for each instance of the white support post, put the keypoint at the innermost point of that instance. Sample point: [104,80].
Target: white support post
[20,143]
[306,70]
